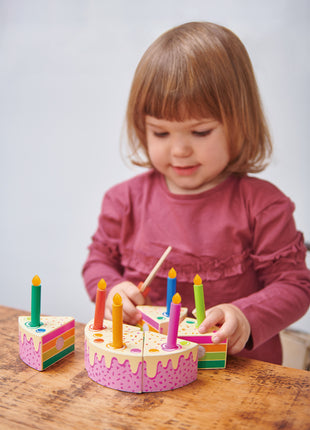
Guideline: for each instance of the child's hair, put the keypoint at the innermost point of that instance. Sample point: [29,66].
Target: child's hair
[200,70]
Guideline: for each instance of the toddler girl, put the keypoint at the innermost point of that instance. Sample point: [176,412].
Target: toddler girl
[195,119]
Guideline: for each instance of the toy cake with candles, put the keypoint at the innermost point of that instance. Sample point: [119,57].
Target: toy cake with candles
[44,340]
[125,358]
[163,356]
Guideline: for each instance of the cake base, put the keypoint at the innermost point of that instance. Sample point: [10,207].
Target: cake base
[142,365]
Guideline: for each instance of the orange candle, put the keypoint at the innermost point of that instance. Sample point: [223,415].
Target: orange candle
[117,321]
[100,305]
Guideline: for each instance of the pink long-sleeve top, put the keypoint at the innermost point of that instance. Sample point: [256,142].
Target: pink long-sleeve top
[240,237]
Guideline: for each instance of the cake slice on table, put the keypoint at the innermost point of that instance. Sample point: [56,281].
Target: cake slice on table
[44,340]
[118,368]
[165,369]
[44,345]
[210,355]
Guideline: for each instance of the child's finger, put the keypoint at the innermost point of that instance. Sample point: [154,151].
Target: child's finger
[226,331]
[135,295]
[213,316]
[235,344]
[229,328]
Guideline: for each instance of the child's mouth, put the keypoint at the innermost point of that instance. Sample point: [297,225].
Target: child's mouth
[185,170]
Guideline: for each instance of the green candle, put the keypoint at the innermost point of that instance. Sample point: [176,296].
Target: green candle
[35,302]
[199,300]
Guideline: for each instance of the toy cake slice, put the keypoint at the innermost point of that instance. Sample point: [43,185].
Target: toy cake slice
[210,355]
[154,318]
[44,345]
[142,364]
[165,369]
[119,368]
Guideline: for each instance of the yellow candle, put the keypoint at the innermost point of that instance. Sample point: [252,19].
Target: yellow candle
[117,321]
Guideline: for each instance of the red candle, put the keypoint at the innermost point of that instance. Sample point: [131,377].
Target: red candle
[100,305]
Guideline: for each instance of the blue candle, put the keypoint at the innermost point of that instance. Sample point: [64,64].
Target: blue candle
[171,288]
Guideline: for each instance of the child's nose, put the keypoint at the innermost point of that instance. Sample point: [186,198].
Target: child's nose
[181,147]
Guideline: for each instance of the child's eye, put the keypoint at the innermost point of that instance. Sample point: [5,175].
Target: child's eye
[161,133]
[202,133]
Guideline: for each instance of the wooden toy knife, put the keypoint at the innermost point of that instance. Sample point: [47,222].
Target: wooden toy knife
[144,286]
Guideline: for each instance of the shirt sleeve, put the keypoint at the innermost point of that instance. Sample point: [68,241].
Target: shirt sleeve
[278,257]
[104,260]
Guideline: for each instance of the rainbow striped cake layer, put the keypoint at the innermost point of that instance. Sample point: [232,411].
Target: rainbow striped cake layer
[42,346]
[210,355]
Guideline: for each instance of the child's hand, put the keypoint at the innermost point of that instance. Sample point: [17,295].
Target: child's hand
[234,326]
[131,297]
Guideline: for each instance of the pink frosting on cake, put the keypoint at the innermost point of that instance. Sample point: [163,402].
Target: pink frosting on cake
[168,378]
[118,376]
[28,353]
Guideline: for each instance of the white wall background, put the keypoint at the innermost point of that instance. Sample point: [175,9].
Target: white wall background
[65,72]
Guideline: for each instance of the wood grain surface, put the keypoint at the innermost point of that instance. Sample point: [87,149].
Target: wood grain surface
[248,394]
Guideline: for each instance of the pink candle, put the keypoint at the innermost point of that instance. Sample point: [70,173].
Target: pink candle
[174,319]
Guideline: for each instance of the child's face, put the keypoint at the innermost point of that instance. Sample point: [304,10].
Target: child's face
[191,154]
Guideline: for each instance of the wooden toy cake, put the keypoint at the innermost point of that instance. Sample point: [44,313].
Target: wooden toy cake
[44,340]
[142,364]
[125,358]
[163,356]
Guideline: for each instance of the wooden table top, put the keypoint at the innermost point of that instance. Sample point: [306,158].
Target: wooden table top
[248,394]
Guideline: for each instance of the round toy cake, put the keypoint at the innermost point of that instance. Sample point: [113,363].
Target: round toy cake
[142,364]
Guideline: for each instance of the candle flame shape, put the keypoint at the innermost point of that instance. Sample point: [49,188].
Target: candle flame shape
[102,284]
[197,280]
[117,299]
[36,281]
[176,299]
[172,273]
